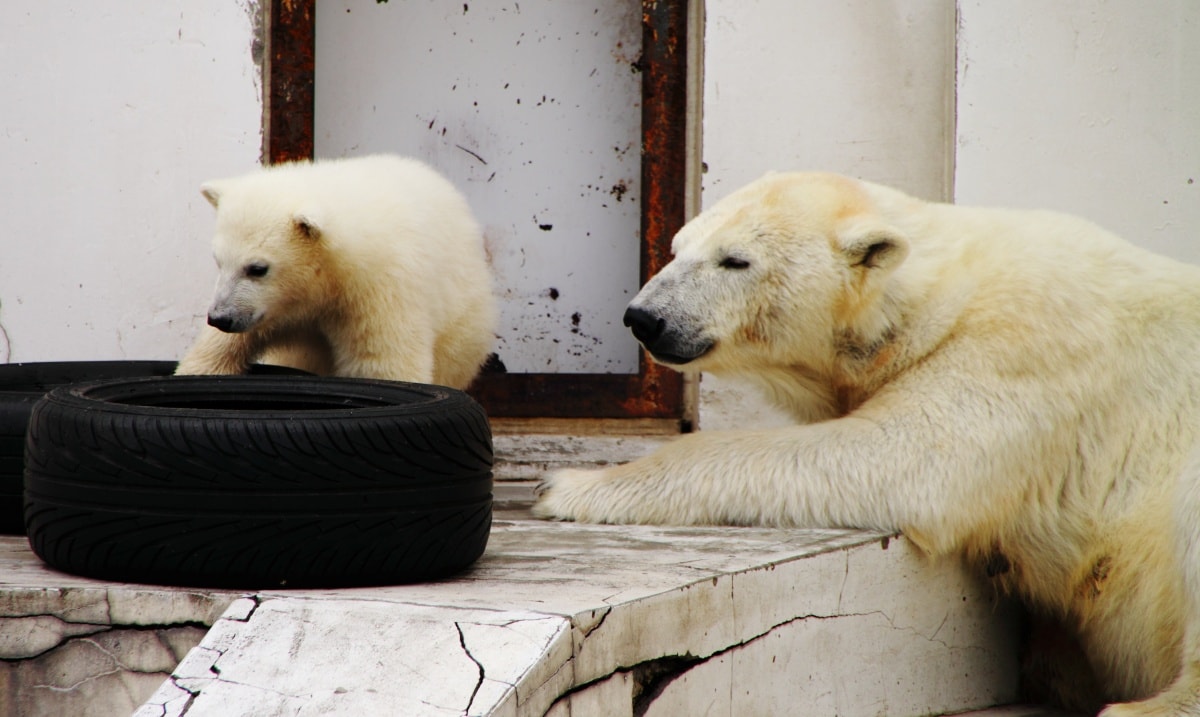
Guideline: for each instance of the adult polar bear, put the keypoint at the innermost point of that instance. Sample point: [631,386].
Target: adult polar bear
[1021,388]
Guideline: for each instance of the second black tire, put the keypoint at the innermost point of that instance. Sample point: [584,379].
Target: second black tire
[255,482]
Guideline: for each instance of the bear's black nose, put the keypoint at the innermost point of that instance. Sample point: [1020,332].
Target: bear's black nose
[646,327]
[224,323]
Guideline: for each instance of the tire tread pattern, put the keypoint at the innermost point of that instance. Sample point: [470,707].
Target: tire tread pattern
[23,384]
[258,498]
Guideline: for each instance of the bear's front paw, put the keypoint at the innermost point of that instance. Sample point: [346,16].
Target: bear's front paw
[619,494]
[564,495]
[209,366]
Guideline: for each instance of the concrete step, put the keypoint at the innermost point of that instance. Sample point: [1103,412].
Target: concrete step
[557,619]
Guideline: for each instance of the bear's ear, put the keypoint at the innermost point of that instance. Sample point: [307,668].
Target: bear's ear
[211,192]
[874,248]
[306,225]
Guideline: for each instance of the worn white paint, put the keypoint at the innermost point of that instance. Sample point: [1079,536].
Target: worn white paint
[1086,107]
[533,110]
[113,115]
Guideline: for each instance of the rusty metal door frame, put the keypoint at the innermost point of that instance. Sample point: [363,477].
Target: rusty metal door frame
[653,392]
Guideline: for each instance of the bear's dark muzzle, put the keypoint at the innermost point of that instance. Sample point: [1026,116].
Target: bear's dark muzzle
[646,327]
[224,323]
[665,343]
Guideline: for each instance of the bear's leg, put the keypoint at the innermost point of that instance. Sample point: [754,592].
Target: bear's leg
[894,464]
[407,367]
[400,353]
[218,353]
[1182,698]
[306,350]
[1054,669]
[459,353]
[794,477]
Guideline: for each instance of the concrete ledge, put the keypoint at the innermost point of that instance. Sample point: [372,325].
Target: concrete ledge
[72,646]
[556,619]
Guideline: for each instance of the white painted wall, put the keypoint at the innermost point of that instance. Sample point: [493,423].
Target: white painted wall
[862,87]
[1086,107]
[113,113]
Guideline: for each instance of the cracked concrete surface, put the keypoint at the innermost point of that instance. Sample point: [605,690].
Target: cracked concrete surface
[73,646]
[52,667]
[556,619]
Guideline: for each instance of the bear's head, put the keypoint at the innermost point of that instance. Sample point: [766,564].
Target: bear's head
[775,276]
[269,253]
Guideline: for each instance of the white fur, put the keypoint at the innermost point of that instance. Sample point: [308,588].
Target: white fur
[375,268]
[1021,388]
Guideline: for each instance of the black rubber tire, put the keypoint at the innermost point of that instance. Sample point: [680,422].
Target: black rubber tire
[255,482]
[23,384]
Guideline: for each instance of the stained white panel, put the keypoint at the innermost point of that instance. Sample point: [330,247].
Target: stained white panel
[534,110]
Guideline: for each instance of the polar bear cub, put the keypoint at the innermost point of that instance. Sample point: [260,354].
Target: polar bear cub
[371,267]
[1020,388]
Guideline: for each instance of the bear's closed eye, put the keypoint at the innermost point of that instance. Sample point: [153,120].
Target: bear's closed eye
[733,262]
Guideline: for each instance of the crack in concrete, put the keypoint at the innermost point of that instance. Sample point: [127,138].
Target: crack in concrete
[256,599]
[892,622]
[5,345]
[66,606]
[845,579]
[99,629]
[608,598]
[449,604]
[603,616]
[651,678]
[568,664]
[63,640]
[222,680]
[186,706]
[92,678]
[665,669]
[192,695]
[108,603]
[933,637]
[175,680]
[119,667]
[462,640]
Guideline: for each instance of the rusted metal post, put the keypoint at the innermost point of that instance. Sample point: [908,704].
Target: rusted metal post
[290,81]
